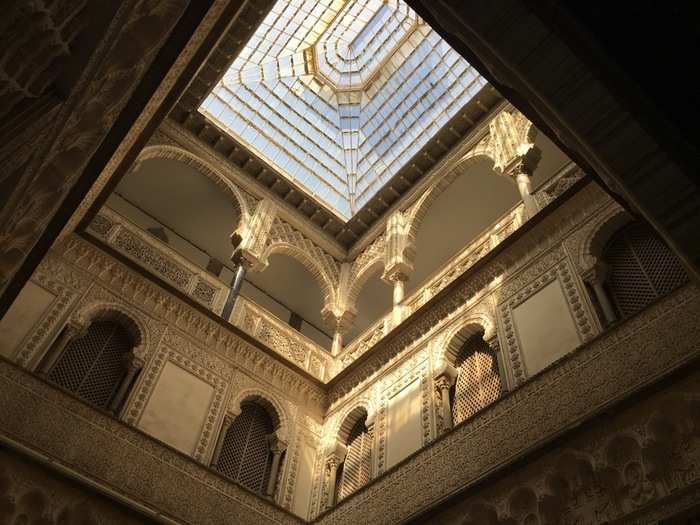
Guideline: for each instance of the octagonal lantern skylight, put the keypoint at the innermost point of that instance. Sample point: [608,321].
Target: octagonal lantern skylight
[338,95]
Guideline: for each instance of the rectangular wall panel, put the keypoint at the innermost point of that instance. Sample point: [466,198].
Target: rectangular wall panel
[177,409]
[22,317]
[404,428]
[545,327]
[304,479]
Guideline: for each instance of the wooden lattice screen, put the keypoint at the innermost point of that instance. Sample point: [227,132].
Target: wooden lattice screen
[245,454]
[94,365]
[641,268]
[478,382]
[357,467]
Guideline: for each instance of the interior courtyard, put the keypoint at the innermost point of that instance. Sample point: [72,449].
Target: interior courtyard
[347,262]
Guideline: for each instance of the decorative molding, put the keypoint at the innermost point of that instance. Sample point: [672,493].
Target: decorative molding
[68,287]
[606,370]
[150,252]
[142,393]
[219,340]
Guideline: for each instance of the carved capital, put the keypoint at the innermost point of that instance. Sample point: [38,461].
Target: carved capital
[595,273]
[446,374]
[277,445]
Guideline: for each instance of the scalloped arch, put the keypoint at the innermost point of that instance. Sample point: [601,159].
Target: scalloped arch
[268,401]
[116,312]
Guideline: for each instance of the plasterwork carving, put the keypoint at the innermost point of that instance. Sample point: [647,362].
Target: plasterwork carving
[143,391]
[364,265]
[632,463]
[159,258]
[30,495]
[606,370]
[585,245]
[504,270]
[161,305]
[558,185]
[97,99]
[280,411]
[195,493]
[68,287]
[280,337]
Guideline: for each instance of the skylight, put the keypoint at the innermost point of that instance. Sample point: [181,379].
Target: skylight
[338,95]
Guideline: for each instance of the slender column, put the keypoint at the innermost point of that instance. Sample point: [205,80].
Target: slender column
[337,342]
[228,420]
[604,301]
[525,188]
[332,465]
[234,291]
[134,364]
[596,277]
[277,447]
[71,332]
[444,378]
[399,282]
[443,385]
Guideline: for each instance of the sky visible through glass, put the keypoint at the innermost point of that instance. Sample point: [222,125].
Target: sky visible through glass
[338,95]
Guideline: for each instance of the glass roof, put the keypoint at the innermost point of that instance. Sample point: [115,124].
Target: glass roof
[338,95]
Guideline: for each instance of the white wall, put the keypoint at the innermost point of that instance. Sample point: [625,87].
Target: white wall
[177,408]
[22,317]
[545,327]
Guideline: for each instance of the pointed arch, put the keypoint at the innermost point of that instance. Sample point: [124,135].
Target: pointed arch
[166,151]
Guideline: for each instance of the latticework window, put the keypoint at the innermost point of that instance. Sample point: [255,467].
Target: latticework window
[245,454]
[478,382]
[642,268]
[356,470]
[93,365]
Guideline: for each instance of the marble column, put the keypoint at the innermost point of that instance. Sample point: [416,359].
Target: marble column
[444,378]
[337,346]
[277,447]
[525,188]
[134,364]
[397,313]
[595,276]
[236,285]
